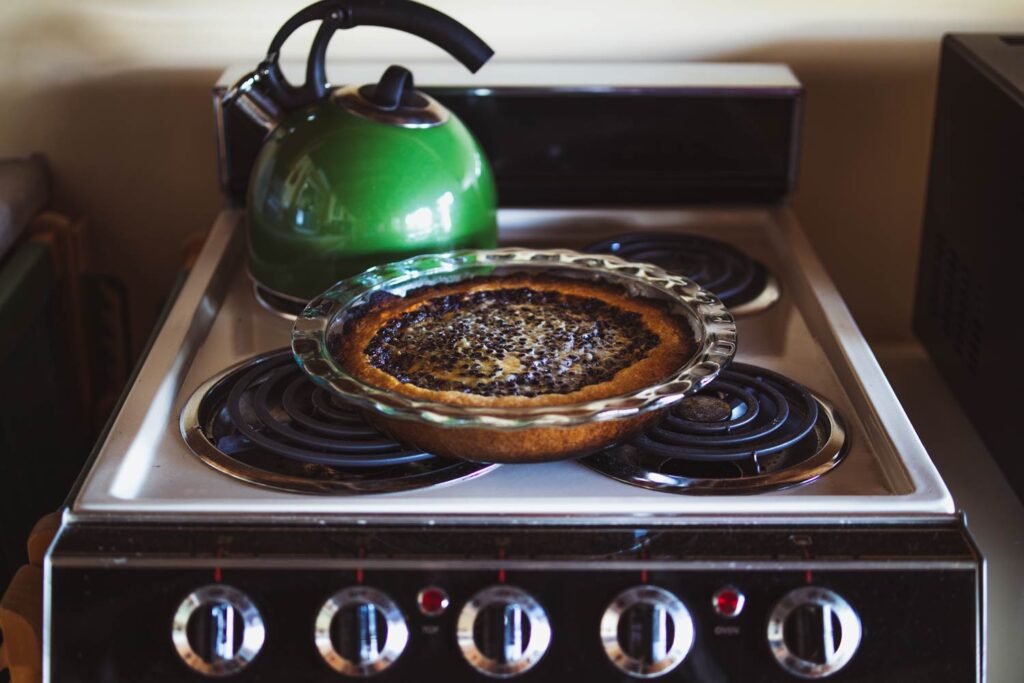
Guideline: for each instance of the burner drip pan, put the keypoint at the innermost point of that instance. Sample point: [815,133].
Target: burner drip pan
[744,285]
[264,422]
[749,431]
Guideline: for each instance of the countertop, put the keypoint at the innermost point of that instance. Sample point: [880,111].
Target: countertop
[995,516]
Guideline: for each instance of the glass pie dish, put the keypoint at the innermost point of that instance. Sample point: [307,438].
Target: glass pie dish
[521,433]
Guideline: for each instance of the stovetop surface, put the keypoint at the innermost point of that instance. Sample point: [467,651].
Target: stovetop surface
[144,467]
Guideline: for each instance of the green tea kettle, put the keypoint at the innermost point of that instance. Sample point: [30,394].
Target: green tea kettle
[351,177]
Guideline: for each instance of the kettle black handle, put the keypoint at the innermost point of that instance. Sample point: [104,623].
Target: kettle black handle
[403,15]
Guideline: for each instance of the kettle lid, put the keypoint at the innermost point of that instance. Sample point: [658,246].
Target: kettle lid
[392,100]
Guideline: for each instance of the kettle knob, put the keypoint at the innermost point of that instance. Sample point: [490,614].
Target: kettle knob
[393,87]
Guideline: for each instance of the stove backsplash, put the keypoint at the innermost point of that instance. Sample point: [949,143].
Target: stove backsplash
[678,144]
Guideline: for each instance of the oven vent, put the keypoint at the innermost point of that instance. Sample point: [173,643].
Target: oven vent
[955,302]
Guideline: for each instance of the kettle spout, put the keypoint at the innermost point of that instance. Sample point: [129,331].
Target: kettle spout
[252,96]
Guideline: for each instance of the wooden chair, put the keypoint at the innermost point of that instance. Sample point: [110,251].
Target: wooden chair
[21,609]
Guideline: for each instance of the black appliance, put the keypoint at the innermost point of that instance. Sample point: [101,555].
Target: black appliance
[966,311]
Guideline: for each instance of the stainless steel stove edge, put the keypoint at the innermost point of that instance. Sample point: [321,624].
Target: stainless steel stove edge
[854,361]
[547,521]
[164,368]
[921,491]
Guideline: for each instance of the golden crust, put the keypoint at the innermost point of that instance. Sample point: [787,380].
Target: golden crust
[674,347]
[539,444]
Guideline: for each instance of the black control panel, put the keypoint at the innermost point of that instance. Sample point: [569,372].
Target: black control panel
[628,146]
[597,604]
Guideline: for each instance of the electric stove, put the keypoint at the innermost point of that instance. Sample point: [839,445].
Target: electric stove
[783,524]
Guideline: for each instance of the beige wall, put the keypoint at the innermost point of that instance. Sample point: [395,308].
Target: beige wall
[116,93]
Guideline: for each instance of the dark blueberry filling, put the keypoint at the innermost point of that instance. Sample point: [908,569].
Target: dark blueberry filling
[510,342]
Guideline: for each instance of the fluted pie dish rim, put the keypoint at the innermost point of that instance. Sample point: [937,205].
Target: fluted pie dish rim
[713,336]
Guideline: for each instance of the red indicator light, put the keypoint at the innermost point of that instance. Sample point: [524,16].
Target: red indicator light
[432,601]
[728,602]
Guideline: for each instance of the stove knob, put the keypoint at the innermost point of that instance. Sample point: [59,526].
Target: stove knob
[360,632]
[647,631]
[217,630]
[503,631]
[813,632]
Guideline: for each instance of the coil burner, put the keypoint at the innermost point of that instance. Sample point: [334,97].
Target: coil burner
[264,422]
[744,285]
[750,430]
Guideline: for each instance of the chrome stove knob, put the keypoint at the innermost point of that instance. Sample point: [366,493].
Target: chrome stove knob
[217,630]
[647,631]
[360,631]
[813,632]
[503,631]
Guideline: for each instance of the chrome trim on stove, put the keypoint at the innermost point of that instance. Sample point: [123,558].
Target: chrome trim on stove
[766,299]
[835,655]
[192,431]
[627,520]
[374,660]
[732,280]
[830,454]
[258,294]
[667,607]
[48,564]
[232,599]
[450,564]
[520,657]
